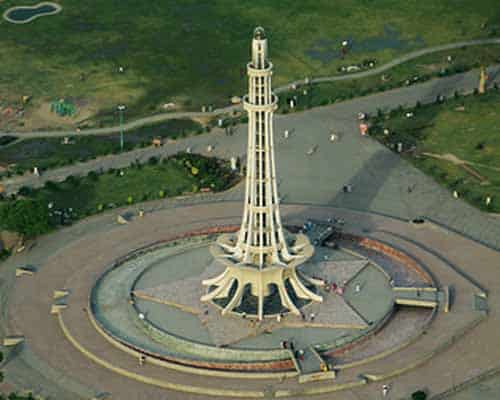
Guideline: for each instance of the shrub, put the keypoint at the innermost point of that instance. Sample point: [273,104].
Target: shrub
[419,395]
[130,199]
[4,254]
[72,180]
[27,217]
[25,191]
[93,176]
[51,186]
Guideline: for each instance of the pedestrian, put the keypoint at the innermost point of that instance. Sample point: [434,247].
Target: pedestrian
[301,355]
[357,288]
[292,346]
[312,316]
[385,390]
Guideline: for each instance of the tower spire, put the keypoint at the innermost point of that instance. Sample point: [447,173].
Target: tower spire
[260,256]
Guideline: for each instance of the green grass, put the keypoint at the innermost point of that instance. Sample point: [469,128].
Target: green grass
[466,127]
[192,51]
[423,68]
[36,211]
[51,152]
[155,180]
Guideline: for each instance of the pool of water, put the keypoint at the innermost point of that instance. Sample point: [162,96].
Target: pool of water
[327,50]
[24,14]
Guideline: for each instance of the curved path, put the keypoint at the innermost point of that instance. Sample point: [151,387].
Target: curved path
[66,256]
[380,177]
[192,114]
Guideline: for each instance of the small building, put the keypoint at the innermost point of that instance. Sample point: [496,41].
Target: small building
[157,142]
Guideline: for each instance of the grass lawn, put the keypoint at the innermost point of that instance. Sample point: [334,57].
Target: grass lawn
[51,152]
[411,72]
[193,52]
[463,129]
[158,179]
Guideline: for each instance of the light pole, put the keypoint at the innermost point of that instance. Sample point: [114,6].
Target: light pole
[121,109]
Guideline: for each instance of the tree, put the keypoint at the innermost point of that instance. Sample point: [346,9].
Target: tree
[419,395]
[27,217]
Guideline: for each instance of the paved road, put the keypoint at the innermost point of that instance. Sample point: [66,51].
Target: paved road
[63,258]
[186,114]
[380,178]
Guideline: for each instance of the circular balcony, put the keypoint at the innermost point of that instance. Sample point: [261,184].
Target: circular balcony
[272,106]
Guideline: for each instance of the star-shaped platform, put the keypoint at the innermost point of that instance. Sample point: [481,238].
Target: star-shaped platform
[333,312]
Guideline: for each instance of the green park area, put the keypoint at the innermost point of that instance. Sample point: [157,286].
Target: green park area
[46,153]
[192,53]
[36,211]
[440,64]
[456,141]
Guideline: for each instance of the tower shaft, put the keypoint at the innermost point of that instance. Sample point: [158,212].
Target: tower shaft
[258,257]
[261,240]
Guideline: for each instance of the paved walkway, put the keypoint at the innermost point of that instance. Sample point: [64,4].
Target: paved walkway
[380,180]
[166,116]
[379,177]
[58,264]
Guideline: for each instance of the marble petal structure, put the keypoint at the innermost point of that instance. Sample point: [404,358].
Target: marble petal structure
[262,256]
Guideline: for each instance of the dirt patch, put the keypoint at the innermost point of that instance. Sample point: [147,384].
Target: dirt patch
[430,67]
[40,116]
[461,163]
[8,239]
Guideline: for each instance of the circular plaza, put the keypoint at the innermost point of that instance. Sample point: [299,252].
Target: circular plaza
[148,302]
[394,315]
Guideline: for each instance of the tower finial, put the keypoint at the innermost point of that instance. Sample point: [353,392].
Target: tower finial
[259,33]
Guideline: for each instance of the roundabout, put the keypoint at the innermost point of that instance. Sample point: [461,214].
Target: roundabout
[149,302]
[178,355]
[188,299]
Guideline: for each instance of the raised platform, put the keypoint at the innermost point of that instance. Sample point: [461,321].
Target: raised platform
[401,342]
[151,302]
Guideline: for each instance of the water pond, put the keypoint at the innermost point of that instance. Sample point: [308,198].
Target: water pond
[25,14]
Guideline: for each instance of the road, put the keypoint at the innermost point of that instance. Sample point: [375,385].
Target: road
[192,114]
[380,177]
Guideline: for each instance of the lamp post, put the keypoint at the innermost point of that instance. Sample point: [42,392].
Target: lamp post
[121,108]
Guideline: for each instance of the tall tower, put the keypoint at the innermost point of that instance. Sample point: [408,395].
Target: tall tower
[261,259]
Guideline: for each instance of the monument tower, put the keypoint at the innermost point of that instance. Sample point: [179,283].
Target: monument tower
[261,259]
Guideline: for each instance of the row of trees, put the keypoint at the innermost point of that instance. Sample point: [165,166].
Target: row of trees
[25,216]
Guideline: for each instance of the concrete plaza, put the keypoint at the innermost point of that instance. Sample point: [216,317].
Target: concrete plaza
[312,187]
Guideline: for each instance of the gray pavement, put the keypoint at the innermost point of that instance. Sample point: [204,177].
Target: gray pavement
[56,257]
[380,180]
[379,177]
[165,116]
